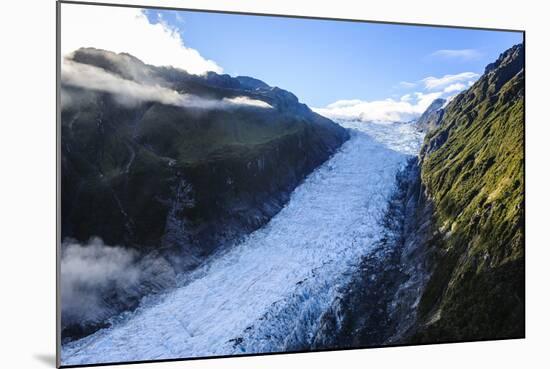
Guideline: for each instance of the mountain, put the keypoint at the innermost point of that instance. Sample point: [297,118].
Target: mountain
[451,264]
[472,167]
[176,165]
[431,118]
[123,165]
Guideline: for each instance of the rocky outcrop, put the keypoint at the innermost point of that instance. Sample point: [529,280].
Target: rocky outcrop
[431,118]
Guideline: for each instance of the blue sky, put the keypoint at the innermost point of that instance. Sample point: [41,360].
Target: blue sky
[343,70]
[326,61]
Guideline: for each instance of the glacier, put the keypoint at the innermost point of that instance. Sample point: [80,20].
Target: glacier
[268,293]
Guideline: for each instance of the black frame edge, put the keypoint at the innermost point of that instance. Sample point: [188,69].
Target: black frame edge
[287,16]
[58,184]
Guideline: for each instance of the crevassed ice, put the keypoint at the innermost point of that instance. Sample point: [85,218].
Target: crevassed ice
[268,293]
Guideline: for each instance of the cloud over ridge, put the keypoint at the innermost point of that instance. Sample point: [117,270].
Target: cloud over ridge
[433,83]
[409,107]
[128,30]
[130,92]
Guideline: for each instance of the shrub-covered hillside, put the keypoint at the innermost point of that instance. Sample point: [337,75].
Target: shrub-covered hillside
[472,166]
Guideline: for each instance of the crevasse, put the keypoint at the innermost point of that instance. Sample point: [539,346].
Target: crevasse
[268,293]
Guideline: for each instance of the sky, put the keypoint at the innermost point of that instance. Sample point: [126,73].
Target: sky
[342,69]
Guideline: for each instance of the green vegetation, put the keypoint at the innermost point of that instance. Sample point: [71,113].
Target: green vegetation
[473,170]
[123,164]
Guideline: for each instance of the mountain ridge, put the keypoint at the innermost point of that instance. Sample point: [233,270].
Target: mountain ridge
[472,167]
[451,267]
[175,166]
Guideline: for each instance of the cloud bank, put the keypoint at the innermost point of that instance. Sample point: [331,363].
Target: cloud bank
[129,92]
[99,281]
[88,273]
[409,107]
[128,30]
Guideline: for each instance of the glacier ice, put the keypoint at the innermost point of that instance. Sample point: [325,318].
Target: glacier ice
[268,293]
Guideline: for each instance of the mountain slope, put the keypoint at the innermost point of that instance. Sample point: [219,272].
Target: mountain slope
[472,167]
[122,163]
[450,266]
[176,166]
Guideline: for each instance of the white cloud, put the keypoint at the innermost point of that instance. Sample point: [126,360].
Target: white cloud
[406,108]
[454,87]
[409,107]
[406,84]
[406,97]
[88,273]
[434,83]
[128,30]
[93,270]
[462,54]
[246,101]
[128,92]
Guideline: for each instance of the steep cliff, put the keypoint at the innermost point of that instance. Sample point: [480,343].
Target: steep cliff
[472,167]
[451,265]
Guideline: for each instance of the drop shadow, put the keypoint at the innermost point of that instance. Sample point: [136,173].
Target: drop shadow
[47,359]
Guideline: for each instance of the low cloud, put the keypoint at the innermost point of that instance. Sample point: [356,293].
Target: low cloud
[89,273]
[409,107]
[435,83]
[131,92]
[461,54]
[122,29]
[246,101]
[99,281]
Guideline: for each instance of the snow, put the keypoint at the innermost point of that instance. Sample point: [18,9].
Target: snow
[268,293]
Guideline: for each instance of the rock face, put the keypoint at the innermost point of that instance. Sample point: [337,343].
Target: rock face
[157,160]
[431,118]
[451,267]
